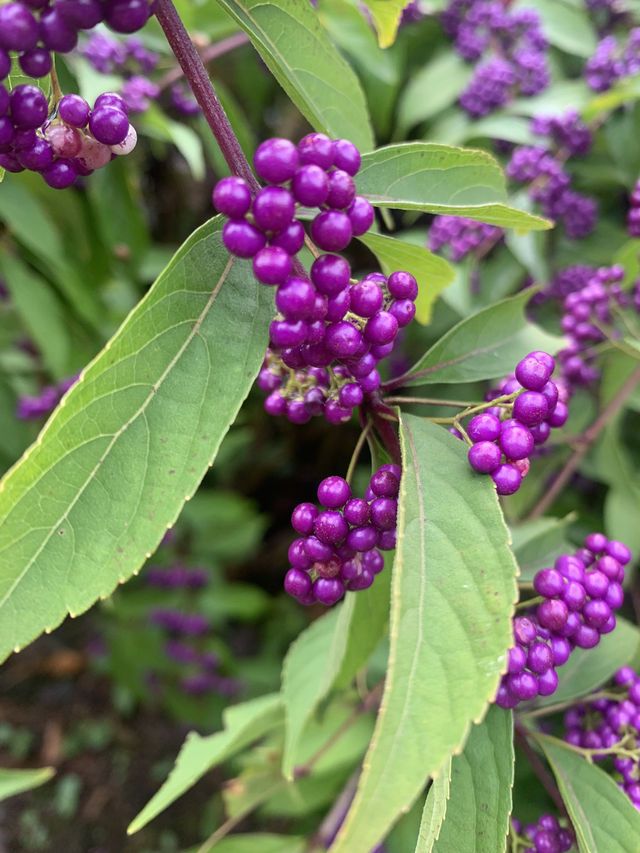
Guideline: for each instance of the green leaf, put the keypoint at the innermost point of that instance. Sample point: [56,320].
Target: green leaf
[243,724]
[16,781]
[441,179]
[130,441]
[480,346]
[319,649]
[41,312]
[553,100]
[432,273]
[155,123]
[477,814]
[432,88]
[602,815]
[588,669]
[452,598]
[435,809]
[386,17]
[566,26]
[253,842]
[297,51]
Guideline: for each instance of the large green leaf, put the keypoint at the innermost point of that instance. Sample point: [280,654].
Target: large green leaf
[603,817]
[290,39]
[477,814]
[243,724]
[539,542]
[452,598]
[483,345]
[131,441]
[432,272]
[588,669]
[441,179]
[16,781]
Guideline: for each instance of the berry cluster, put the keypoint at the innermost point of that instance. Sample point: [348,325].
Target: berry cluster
[612,61]
[585,311]
[633,216]
[567,132]
[602,723]
[34,408]
[201,676]
[545,836]
[581,593]
[504,436]
[512,45]
[461,236]
[339,545]
[75,139]
[331,331]
[550,186]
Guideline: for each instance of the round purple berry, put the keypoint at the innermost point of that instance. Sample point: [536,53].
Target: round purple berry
[273,208]
[402,285]
[530,408]
[108,125]
[361,216]
[316,148]
[346,156]
[276,160]
[334,492]
[484,457]
[231,196]
[330,274]
[242,239]
[303,517]
[310,185]
[331,230]
[507,479]
[516,442]
[271,265]
[532,374]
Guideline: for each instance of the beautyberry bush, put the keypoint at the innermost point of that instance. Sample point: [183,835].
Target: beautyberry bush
[379,265]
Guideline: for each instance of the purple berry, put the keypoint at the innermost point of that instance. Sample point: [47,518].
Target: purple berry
[330,274]
[56,33]
[28,105]
[126,16]
[271,265]
[36,62]
[342,339]
[559,415]
[384,484]
[381,329]
[552,614]
[346,156]
[295,298]
[350,395]
[334,492]
[316,148]
[363,538]
[273,208]
[366,298]
[18,27]
[507,479]
[484,457]
[539,658]
[330,527]
[60,175]
[291,238]
[242,239]
[108,125]
[310,185]
[530,408]
[532,374]
[484,427]
[547,682]
[516,442]
[297,583]
[231,196]
[402,285]
[303,517]
[361,216]
[548,582]
[328,590]
[331,230]
[74,110]
[356,512]
[341,190]
[276,160]
[384,513]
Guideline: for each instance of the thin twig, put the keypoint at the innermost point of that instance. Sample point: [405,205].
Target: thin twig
[211,52]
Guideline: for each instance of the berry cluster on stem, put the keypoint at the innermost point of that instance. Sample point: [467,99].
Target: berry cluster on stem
[579,596]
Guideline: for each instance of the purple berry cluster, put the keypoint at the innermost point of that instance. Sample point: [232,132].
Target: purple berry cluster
[330,331]
[602,723]
[545,836]
[585,312]
[74,139]
[613,61]
[339,545]
[109,55]
[503,437]
[567,133]
[186,630]
[461,236]
[581,593]
[36,407]
[633,216]
[508,46]
[550,184]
